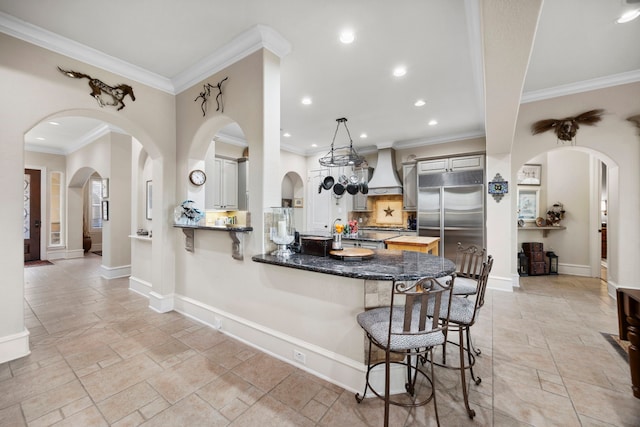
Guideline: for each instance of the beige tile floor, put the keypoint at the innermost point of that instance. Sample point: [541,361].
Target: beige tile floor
[101,357]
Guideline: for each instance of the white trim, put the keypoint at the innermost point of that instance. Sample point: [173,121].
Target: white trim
[583,86]
[240,47]
[14,346]
[161,303]
[46,39]
[332,367]
[56,253]
[74,253]
[575,270]
[612,287]
[140,286]
[500,283]
[115,272]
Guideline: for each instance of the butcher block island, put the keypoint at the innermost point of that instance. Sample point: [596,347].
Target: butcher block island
[414,243]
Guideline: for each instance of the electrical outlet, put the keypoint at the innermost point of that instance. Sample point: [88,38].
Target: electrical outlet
[299,356]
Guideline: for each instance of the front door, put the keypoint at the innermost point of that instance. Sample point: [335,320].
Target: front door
[31,215]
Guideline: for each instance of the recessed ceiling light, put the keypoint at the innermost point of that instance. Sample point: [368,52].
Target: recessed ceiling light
[363,135]
[306,100]
[286,134]
[40,138]
[347,36]
[628,16]
[419,103]
[400,71]
[54,123]
[314,145]
[433,122]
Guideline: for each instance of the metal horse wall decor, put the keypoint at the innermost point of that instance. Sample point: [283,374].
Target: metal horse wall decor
[206,93]
[99,88]
[566,129]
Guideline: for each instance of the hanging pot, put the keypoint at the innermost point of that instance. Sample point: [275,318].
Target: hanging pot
[364,188]
[338,189]
[342,179]
[352,188]
[327,182]
[354,179]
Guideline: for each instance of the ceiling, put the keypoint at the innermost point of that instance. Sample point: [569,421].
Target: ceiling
[578,46]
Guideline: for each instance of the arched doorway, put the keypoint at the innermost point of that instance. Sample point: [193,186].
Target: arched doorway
[571,176]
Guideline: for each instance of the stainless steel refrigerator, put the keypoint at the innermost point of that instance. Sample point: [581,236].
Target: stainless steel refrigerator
[451,206]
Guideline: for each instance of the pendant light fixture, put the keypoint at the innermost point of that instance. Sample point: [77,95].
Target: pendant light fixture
[342,156]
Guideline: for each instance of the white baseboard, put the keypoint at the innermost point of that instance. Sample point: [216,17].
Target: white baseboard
[140,286]
[54,254]
[115,272]
[14,346]
[500,283]
[161,303]
[74,253]
[612,287]
[335,368]
[574,269]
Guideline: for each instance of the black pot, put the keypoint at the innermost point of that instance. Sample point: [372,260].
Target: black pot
[352,189]
[327,183]
[364,188]
[338,189]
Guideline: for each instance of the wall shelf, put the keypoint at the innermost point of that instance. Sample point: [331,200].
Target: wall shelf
[235,233]
[545,229]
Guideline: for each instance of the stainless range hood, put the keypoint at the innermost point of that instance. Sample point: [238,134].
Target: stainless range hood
[385,180]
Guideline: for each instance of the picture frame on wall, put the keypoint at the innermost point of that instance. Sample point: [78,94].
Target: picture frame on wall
[528,204]
[297,203]
[105,188]
[529,174]
[149,199]
[105,210]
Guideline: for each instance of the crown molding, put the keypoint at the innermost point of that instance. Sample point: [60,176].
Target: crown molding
[293,149]
[46,39]
[439,140]
[231,140]
[583,86]
[255,38]
[92,136]
[37,148]
[240,47]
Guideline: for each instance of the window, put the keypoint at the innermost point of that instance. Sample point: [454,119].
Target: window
[96,203]
[55,209]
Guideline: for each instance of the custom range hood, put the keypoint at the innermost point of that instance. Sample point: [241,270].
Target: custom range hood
[385,180]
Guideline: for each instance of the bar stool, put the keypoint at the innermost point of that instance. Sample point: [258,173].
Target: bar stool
[403,328]
[463,313]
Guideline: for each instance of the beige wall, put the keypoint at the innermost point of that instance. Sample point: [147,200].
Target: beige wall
[35,91]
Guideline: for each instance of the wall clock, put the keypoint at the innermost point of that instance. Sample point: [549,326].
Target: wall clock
[197,177]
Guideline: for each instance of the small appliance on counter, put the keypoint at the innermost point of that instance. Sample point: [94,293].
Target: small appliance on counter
[316,245]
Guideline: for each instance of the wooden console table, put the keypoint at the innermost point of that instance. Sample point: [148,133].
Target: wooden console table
[629,325]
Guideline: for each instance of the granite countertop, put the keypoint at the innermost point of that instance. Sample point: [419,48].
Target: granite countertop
[236,228]
[385,265]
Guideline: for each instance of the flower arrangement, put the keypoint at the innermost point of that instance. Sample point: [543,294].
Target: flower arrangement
[188,213]
[555,214]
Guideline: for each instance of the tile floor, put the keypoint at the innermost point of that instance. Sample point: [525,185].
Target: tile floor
[101,357]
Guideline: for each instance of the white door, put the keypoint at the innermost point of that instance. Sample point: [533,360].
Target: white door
[319,202]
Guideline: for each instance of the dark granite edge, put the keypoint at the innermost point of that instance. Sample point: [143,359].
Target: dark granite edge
[386,265]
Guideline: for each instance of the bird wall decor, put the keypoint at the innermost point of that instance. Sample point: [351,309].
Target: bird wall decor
[566,129]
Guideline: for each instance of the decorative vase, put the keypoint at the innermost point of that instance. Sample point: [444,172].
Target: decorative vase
[86,243]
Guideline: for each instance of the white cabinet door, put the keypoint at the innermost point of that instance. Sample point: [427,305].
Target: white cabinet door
[433,166]
[318,204]
[466,163]
[225,195]
[410,187]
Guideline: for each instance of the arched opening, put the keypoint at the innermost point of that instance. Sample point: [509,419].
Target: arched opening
[578,179]
[292,191]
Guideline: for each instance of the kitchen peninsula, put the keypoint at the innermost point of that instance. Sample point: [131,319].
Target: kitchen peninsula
[385,265]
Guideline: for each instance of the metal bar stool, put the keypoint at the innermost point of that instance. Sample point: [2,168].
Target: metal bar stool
[404,329]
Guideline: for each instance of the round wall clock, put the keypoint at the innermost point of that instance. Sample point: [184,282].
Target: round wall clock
[197,177]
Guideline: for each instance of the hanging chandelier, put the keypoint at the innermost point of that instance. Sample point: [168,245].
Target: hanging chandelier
[342,156]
